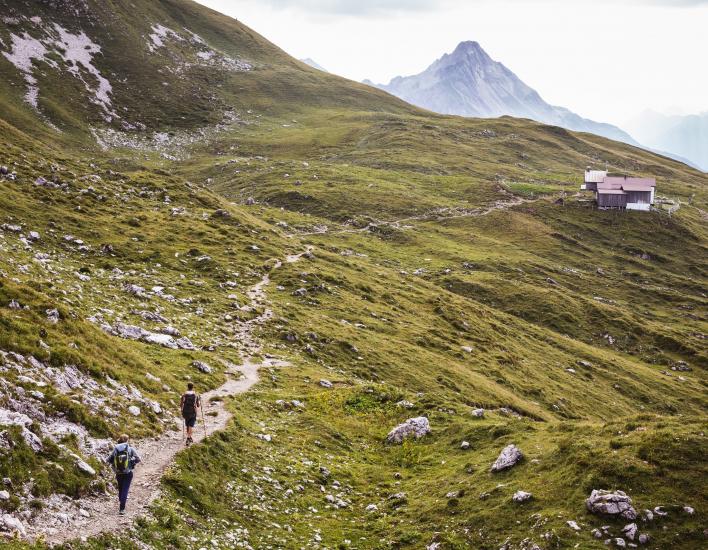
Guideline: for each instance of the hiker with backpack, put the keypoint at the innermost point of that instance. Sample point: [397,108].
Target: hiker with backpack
[189,405]
[123,460]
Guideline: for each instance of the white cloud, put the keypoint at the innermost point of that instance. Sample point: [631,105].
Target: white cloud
[378,7]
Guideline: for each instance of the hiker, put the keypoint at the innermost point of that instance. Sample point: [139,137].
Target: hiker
[123,459]
[189,405]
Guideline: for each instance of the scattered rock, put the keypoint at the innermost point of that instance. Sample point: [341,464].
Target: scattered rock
[611,503]
[644,538]
[134,410]
[416,427]
[619,542]
[630,530]
[4,495]
[689,510]
[467,349]
[405,404]
[84,466]
[521,496]
[478,413]
[53,316]
[201,366]
[465,445]
[510,456]
[326,383]
[659,511]
[573,525]
[372,508]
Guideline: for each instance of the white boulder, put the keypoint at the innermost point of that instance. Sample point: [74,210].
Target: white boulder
[413,427]
[509,457]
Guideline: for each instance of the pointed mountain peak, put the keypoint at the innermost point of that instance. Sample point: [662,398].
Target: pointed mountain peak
[468,51]
[468,46]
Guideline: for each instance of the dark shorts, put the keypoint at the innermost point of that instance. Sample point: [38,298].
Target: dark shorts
[190,422]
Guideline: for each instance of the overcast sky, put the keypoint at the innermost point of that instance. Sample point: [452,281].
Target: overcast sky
[604,59]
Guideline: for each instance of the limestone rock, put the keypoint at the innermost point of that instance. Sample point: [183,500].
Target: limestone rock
[413,427]
[12,524]
[611,503]
[134,410]
[573,525]
[521,496]
[52,316]
[84,467]
[478,413]
[201,366]
[630,530]
[510,456]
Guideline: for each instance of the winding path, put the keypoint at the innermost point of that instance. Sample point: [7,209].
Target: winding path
[444,213]
[90,517]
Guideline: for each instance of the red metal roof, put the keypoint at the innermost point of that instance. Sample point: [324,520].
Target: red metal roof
[622,181]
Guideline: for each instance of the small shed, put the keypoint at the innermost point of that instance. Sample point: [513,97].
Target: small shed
[592,178]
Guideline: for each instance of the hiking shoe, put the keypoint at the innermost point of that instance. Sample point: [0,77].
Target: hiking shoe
[121,512]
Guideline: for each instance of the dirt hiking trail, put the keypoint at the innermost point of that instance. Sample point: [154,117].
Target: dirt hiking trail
[89,517]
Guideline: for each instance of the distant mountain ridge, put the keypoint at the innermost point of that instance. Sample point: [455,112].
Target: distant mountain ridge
[468,82]
[312,63]
[686,136]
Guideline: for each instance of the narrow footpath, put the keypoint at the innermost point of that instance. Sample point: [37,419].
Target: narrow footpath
[90,517]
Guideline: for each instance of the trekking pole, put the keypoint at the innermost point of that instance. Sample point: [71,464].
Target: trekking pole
[201,408]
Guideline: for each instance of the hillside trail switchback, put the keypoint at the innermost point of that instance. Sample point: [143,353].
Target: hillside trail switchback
[89,517]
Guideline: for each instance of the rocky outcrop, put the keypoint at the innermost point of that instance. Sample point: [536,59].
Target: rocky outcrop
[133,332]
[11,418]
[510,456]
[611,503]
[413,427]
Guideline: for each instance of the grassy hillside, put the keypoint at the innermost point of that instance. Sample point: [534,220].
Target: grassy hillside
[454,267]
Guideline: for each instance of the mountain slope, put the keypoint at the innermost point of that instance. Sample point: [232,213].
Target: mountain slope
[468,82]
[445,277]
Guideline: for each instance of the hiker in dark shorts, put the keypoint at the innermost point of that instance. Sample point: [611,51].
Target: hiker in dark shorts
[123,460]
[189,405]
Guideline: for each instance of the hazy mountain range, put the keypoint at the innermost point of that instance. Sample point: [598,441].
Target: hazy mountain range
[686,136]
[468,82]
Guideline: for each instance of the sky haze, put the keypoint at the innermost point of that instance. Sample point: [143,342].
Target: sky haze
[602,59]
